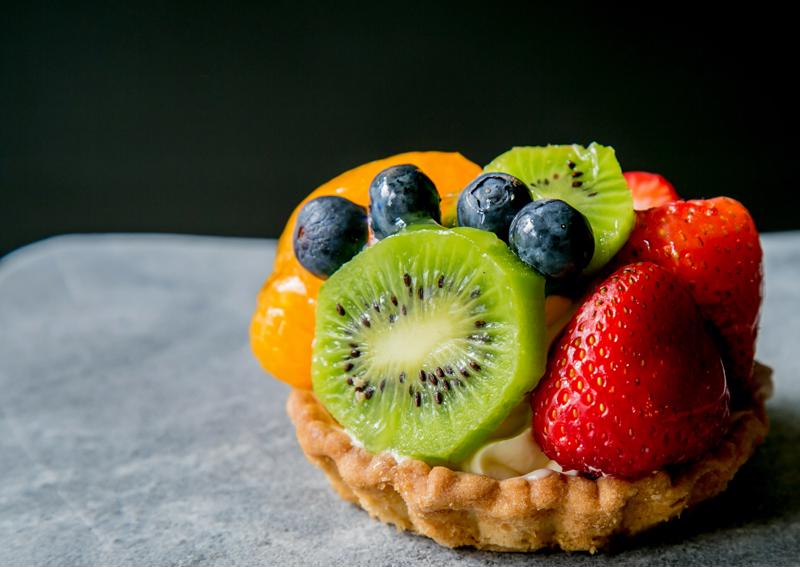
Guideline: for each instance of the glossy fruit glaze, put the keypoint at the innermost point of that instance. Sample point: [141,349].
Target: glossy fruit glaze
[282,327]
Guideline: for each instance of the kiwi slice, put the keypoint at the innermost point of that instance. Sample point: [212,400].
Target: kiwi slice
[426,341]
[590,179]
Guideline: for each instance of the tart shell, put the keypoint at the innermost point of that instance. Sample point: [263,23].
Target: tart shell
[518,514]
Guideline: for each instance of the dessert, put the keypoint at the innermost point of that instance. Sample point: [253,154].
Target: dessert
[544,353]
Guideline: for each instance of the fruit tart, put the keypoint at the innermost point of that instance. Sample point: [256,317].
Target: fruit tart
[546,352]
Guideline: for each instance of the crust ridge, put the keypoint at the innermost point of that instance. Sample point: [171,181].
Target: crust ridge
[569,512]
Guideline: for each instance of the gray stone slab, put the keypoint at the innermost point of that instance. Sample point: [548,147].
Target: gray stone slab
[136,428]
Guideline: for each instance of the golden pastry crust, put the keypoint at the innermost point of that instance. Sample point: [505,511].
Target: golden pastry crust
[571,512]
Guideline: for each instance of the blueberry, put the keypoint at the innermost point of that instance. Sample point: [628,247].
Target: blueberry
[491,201]
[399,196]
[329,231]
[553,238]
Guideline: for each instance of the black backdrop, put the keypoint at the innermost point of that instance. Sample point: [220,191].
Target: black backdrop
[217,119]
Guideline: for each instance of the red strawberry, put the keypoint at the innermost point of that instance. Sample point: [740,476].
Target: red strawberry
[713,246]
[635,382]
[649,189]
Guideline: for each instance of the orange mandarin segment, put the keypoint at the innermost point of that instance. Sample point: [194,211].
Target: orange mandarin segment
[282,327]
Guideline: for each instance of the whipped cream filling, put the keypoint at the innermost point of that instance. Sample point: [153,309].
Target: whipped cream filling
[518,456]
[507,458]
[511,450]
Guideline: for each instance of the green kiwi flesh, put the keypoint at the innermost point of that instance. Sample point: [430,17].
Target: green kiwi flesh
[588,178]
[426,341]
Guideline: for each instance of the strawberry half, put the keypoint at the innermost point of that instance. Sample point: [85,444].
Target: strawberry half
[713,247]
[649,189]
[635,382]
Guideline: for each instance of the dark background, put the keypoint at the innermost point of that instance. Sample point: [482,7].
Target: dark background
[217,119]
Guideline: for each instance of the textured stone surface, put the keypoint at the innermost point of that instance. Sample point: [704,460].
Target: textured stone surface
[135,427]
